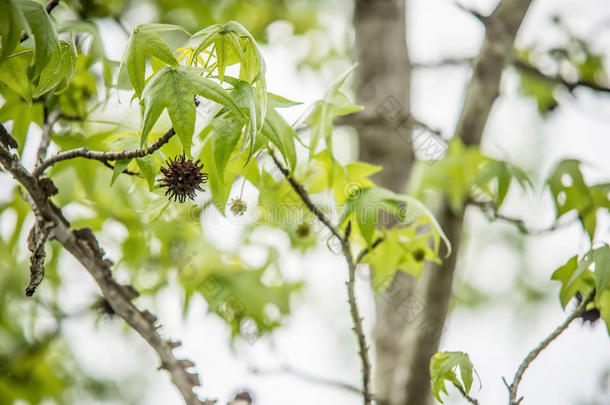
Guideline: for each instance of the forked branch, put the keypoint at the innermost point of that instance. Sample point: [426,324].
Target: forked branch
[513,388]
[363,349]
[83,245]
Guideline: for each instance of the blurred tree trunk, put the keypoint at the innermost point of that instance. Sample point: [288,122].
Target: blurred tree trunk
[383,88]
[405,341]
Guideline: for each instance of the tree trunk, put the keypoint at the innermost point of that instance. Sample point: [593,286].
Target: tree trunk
[383,82]
[411,385]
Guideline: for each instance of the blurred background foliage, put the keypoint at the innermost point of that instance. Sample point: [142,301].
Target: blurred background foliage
[154,250]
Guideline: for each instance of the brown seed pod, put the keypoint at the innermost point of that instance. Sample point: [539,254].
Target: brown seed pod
[183,178]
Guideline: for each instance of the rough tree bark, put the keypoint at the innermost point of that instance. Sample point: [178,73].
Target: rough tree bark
[411,385]
[383,81]
[383,76]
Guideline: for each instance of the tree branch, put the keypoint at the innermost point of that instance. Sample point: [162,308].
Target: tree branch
[520,64]
[82,244]
[482,18]
[36,240]
[412,382]
[492,214]
[104,156]
[514,386]
[466,396]
[367,250]
[363,349]
[527,67]
[308,377]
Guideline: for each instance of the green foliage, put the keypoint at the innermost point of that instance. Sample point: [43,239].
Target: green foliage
[443,367]
[334,104]
[592,271]
[236,291]
[145,41]
[570,192]
[174,88]
[466,174]
[574,62]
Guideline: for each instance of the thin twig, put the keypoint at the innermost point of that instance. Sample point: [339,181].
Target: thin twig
[83,245]
[357,320]
[300,190]
[483,18]
[347,253]
[446,62]
[104,156]
[286,369]
[367,250]
[557,79]
[514,386]
[492,214]
[468,398]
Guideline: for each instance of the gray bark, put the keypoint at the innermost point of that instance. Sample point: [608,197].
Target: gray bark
[383,81]
[411,384]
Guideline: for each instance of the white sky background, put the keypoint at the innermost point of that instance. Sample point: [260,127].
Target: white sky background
[317,337]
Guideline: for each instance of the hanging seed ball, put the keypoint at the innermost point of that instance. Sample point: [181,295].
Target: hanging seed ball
[183,178]
[238,206]
[302,230]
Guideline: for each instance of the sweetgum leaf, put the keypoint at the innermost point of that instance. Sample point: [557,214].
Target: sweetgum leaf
[174,88]
[145,42]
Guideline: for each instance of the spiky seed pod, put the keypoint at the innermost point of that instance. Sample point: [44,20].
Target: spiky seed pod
[183,178]
[238,206]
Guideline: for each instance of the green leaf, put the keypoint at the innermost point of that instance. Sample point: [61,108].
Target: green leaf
[570,192]
[575,276]
[603,303]
[206,36]
[44,33]
[174,88]
[225,136]
[335,103]
[276,101]
[601,257]
[455,174]
[96,49]
[542,91]
[368,203]
[405,248]
[119,166]
[13,73]
[443,368]
[145,42]
[22,115]
[502,173]
[277,130]
[58,73]
[149,167]
[12,23]
[245,97]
